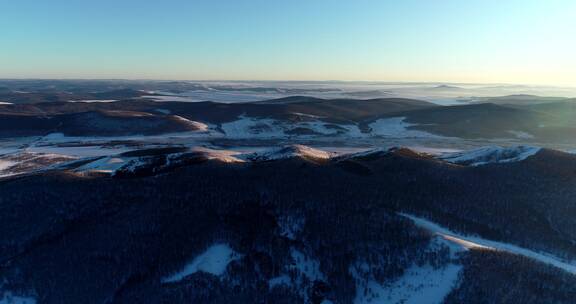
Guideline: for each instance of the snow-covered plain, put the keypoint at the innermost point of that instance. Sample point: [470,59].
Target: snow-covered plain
[214,261]
[475,242]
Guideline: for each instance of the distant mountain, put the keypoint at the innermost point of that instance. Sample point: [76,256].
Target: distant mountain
[491,155]
[95,123]
[39,116]
[19,97]
[520,99]
[447,87]
[293,151]
[477,121]
[300,116]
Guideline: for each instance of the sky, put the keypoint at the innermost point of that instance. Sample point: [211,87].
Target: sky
[496,41]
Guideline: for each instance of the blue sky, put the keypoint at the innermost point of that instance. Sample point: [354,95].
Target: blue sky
[529,41]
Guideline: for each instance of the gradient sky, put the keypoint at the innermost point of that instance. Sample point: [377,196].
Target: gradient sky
[514,41]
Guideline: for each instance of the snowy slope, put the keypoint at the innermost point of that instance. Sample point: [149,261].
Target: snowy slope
[491,155]
[475,242]
[288,152]
[27,162]
[419,284]
[201,127]
[214,261]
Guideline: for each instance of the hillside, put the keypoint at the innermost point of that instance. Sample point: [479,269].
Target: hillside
[287,229]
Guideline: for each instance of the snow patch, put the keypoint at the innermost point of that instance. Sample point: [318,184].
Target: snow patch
[280,280]
[163,111]
[9,298]
[248,127]
[418,285]
[214,260]
[491,155]
[309,267]
[225,156]
[288,152]
[397,127]
[195,124]
[306,115]
[109,164]
[291,226]
[5,164]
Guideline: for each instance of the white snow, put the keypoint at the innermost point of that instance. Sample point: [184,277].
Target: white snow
[370,152]
[291,226]
[108,164]
[491,155]
[396,127]
[214,261]
[248,127]
[225,156]
[306,115]
[288,152]
[475,242]
[195,124]
[9,298]
[280,280]
[5,164]
[418,285]
[163,111]
[306,265]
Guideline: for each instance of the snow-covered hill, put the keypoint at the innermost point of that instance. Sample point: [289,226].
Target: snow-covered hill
[491,155]
[289,152]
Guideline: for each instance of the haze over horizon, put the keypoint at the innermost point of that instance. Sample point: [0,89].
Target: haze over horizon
[489,42]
